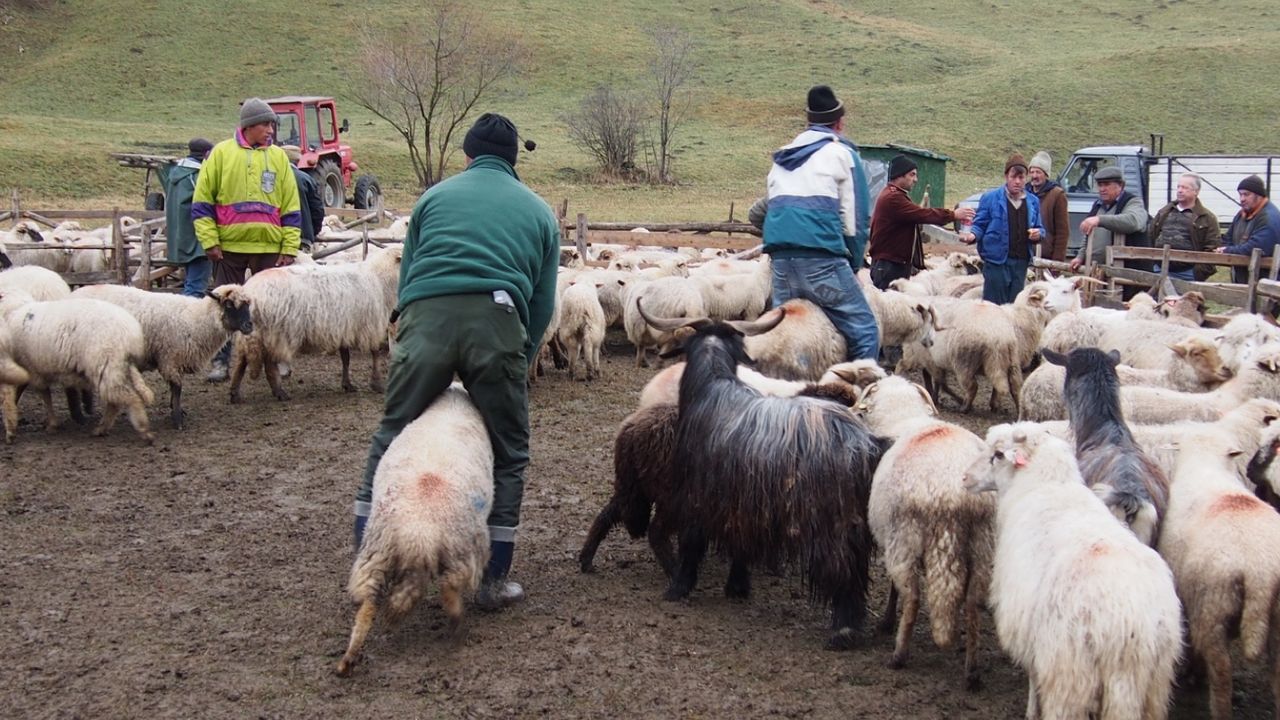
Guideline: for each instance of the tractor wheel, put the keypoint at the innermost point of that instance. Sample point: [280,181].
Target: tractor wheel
[368,192]
[154,201]
[329,175]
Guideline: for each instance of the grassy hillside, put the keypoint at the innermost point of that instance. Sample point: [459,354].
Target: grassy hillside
[973,79]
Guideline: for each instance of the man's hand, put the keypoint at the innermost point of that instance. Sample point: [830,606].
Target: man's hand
[214,253]
[1088,225]
[284,260]
[964,214]
[1220,250]
[1033,234]
[1076,263]
[968,238]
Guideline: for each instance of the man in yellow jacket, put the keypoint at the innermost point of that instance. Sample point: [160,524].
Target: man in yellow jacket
[246,209]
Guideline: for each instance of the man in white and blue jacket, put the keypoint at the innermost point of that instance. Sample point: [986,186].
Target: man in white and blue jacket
[1006,228]
[817,224]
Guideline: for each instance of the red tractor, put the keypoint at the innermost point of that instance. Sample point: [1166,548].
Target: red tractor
[311,123]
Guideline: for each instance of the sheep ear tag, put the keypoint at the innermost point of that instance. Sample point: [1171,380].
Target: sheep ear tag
[1019,458]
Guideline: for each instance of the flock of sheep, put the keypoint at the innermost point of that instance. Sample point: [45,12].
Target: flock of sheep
[1125,533]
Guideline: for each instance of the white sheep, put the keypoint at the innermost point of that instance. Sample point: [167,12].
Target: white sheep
[1192,366]
[734,289]
[980,339]
[1079,602]
[182,333]
[55,254]
[1241,338]
[318,309]
[1244,426]
[902,318]
[1259,378]
[1219,540]
[671,297]
[930,529]
[78,343]
[664,387]
[12,376]
[801,347]
[431,500]
[581,328]
[38,282]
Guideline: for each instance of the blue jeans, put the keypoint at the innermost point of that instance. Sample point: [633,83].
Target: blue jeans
[830,284]
[1189,274]
[197,280]
[1002,283]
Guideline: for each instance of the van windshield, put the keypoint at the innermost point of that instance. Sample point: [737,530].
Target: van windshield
[1078,177]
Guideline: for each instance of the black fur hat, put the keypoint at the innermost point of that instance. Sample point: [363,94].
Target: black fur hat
[823,107]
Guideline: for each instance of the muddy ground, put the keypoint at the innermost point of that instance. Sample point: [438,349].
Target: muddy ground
[204,577]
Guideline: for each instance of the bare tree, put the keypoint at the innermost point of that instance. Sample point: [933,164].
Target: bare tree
[669,70]
[608,125]
[424,78]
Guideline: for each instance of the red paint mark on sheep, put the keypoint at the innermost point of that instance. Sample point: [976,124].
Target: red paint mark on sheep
[1235,503]
[934,434]
[1098,550]
[797,310]
[430,484]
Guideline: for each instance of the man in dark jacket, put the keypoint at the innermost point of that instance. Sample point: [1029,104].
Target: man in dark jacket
[477,288]
[895,238]
[311,202]
[1006,229]
[1186,224]
[1053,207]
[180,234]
[1257,225]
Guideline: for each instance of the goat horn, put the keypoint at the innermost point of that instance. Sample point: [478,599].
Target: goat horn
[1086,278]
[933,318]
[663,324]
[763,324]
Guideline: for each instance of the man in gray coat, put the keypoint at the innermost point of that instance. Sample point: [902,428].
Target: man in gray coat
[1116,213]
[180,233]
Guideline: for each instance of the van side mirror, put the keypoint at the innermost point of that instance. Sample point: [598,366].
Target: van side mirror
[345,126]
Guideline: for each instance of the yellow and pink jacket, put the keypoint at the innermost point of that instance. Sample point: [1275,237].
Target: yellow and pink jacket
[246,200]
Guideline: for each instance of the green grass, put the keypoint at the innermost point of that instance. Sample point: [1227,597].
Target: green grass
[973,79]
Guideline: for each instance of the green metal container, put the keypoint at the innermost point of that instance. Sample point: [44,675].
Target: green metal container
[932,167]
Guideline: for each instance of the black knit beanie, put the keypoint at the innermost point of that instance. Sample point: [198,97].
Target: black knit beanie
[198,148]
[1253,184]
[900,165]
[492,134]
[823,107]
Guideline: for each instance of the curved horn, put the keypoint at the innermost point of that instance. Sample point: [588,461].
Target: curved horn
[1085,278]
[933,318]
[662,324]
[763,324]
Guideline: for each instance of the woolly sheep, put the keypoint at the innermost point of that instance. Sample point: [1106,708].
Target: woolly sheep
[1081,604]
[1191,366]
[78,343]
[1241,338]
[902,318]
[318,309]
[582,328]
[1244,426]
[431,500]
[38,282]
[664,387]
[1137,340]
[801,347]
[1219,540]
[980,339]
[182,333]
[1260,378]
[55,254]
[672,297]
[929,528]
[731,295]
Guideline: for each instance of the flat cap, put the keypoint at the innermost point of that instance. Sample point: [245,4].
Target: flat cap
[1111,173]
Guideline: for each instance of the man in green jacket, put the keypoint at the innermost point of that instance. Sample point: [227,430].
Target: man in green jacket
[477,289]
[180,233]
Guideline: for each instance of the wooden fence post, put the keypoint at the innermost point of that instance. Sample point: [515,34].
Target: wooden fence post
[1164,273]
[122,250]
[144,269]
[1275,263]
[17,206]
[580,235]
[1251,300]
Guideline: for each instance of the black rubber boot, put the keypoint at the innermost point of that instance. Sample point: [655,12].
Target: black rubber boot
[496,592]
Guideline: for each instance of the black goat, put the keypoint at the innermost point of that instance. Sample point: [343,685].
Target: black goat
[1116,467]
[768,480]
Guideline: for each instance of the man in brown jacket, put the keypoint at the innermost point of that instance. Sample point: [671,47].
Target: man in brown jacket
[1053,207]
[894,244]
[1186,224]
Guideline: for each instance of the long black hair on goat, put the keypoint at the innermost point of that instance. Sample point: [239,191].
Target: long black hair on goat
[769,480]
[1111,462]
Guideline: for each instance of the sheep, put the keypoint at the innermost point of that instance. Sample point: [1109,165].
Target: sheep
[1111,462]
[571,258]
[933,280]
[1244,425]
[315,308]
[581,328]
[664,388]
[1241,338]
[902,318]
[38,282]
[1186,310]
[610,285]
[549,345]
[980,338]
[1219,540]
[802,347]
[768,479]
[1192,366]
[431,499]
[1259,378]
[12,376]
[78,343]
[1086,609]
[645,483]
[670,297]
[731,295]
[928,527]
[182,333]
[1262,470]
[55,254]
[1135,340]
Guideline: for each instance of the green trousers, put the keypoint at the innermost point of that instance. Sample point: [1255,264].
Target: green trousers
[484,342]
